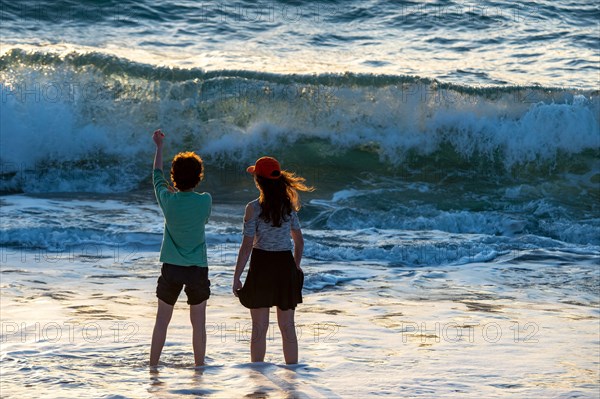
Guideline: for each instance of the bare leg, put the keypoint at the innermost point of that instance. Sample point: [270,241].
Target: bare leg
[163,317]
[198,318]
[258,342]
[285,319]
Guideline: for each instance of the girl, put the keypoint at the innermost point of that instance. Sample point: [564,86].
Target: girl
[275,277]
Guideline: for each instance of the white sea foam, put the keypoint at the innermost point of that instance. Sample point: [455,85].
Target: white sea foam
[47,127]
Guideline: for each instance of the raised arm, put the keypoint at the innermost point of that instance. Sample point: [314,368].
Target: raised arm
[158,137]
[244,254]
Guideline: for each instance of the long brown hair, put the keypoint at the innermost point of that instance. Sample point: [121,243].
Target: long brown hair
[279,197]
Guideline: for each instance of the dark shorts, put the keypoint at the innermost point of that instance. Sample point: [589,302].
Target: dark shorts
[173,278]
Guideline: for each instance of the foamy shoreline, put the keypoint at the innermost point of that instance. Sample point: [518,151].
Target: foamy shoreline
[77,329]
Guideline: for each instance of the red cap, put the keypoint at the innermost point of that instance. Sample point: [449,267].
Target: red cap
[266,167]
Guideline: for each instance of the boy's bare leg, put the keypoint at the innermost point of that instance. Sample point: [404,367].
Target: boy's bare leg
[258,342]
[198,318]
[285,319]
[163,317]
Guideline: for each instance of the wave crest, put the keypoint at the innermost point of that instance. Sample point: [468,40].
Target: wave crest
[95,111]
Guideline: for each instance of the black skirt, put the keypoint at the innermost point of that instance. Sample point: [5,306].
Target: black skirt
[273,280]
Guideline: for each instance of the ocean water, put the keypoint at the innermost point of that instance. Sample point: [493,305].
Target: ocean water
[452,242]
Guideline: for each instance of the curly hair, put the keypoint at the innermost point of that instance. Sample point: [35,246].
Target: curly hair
[187,170]
[279,197]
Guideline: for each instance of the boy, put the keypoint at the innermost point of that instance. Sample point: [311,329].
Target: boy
[183,250]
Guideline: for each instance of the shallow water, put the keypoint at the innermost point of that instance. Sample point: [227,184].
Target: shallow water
[523,324]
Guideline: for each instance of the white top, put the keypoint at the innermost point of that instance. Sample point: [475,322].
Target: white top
[268,237]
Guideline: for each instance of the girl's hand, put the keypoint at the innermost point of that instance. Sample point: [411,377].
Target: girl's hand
[237,285]
[158,137]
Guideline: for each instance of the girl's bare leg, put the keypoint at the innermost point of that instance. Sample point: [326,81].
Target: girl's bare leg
[163,317]
[198,318]
[285,319]
[258,342]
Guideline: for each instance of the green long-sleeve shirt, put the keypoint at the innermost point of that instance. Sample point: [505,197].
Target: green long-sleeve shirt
[186,213]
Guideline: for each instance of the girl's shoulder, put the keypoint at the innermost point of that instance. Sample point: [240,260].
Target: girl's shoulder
[254,204]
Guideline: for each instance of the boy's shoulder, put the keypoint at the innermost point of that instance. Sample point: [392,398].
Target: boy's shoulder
[205,195]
